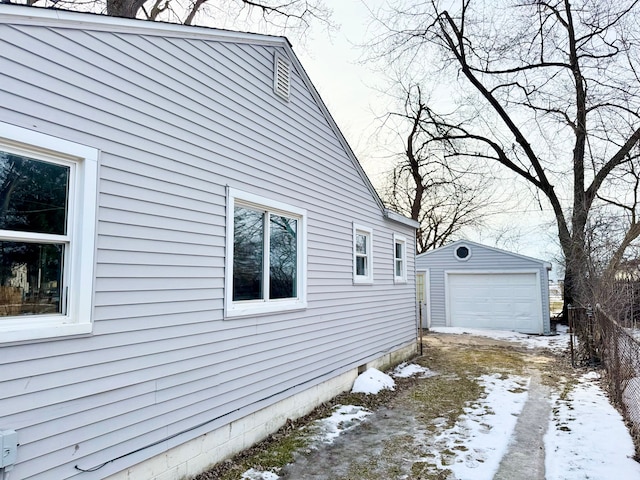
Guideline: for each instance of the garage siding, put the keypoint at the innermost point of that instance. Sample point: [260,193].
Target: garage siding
[482,259]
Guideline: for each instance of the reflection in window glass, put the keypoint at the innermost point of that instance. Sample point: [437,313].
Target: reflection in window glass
[33,195]
[362,255]
[399,258]
[248,246]
[30,278]
[462,252]
[283,257]
[361,266]
[361,243]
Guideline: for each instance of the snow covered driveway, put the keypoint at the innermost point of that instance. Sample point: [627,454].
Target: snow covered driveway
[477,406]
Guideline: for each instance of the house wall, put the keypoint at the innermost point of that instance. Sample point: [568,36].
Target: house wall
[482,259]
[178,119]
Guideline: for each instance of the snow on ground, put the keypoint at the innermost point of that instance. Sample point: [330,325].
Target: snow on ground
[406,370]
[556,343]
[344,417]
[587,437]
[475,445]
[372,381]
[253,474]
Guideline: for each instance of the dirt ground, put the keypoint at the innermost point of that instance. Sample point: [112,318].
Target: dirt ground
[396,441]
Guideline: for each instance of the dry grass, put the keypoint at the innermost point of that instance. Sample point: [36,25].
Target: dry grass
[435,402]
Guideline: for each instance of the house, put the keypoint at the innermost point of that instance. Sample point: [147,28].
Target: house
[476,286]
[190,252]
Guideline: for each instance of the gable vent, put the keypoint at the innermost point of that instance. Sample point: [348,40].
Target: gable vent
[281,77]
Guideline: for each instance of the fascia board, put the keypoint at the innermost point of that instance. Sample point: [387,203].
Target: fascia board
[23,15]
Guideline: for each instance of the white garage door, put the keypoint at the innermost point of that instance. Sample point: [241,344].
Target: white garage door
[505,301]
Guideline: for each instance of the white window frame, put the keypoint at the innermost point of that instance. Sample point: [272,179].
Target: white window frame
[367,278]
[399,239]
[79,241]
[266,305]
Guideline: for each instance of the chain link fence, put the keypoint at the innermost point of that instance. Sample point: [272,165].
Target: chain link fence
[619,348]
[599,339]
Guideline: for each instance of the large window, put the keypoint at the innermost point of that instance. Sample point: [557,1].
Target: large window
[266,255]
[362,254]
[47,225]
[399,259]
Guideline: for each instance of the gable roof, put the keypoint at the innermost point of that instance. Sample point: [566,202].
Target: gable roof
[20,14]
[455,244]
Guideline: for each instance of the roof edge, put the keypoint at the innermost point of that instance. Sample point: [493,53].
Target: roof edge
[546,264]
[396,217]
[334,126]
[31,15]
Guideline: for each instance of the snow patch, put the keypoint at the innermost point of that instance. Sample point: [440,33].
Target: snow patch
[406,370]
[475,445]
[253,474]
[557,343]
[373,381]
[587,437]
[344,417]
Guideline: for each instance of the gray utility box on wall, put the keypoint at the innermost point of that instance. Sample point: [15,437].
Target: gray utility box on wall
[8,448]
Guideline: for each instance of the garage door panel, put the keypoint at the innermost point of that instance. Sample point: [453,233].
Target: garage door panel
[498,300]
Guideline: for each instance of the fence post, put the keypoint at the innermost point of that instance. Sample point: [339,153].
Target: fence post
[571,333]
[590,336]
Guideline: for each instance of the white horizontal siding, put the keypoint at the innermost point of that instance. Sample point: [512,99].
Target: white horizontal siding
[177,121]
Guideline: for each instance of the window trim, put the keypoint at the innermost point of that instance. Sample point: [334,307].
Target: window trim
[399,239]
[79,260]
[264,306]
[462,259]
[368,278]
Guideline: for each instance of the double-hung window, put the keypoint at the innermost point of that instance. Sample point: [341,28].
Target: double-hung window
[47,229]
[399,259]
[362,254]
[266,255]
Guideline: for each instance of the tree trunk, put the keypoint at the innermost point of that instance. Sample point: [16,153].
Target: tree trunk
[124,8]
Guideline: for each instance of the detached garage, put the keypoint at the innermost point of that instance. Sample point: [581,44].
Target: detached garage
[474,286]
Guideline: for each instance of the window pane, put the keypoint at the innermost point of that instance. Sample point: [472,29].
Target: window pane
[33,195]
[248,246]
[399,250]
[30,278]
[361,243]
[398,268]
[420,286]
[283,259]
[361,266]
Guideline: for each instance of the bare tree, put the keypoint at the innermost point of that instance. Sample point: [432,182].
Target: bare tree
[555,98]
[283,15]
[441,195]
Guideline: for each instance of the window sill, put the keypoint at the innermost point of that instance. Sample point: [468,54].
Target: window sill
[40,331]
[263,308]
[365,281]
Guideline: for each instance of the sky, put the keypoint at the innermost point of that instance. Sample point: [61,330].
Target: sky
[353,93]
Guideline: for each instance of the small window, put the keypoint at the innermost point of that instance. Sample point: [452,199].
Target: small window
[47,227]
[362,254]
[266,256]
[462,253]
[399,259]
